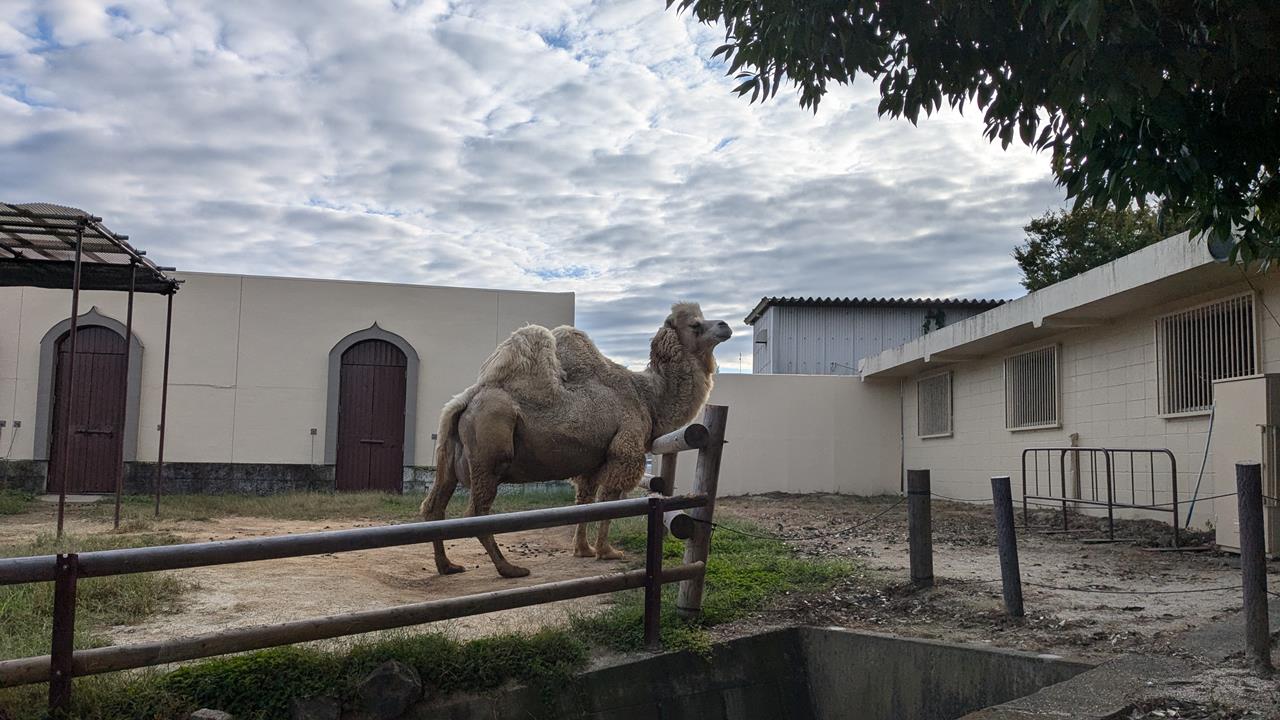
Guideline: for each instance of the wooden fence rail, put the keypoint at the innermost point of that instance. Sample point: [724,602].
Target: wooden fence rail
[64,663]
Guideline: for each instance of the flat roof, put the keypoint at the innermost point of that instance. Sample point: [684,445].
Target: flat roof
[849,302]
[1174,268]
[38,247]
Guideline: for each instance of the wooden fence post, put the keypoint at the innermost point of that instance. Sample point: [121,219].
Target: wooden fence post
[667,473]
[1253,566]
[653,575]
[706,481]
[920,528]
[1007,544]
[64,632]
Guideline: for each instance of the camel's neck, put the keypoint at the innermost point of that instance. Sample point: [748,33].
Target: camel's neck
[678,390]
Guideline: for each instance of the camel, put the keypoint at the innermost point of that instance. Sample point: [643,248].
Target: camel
[548,405]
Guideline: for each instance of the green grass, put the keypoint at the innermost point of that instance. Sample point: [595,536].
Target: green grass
[26,611]
[138,511]
[13,502]
[744,575]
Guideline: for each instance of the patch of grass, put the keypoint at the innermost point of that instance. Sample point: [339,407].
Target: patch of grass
[26,611]
[743,574]
[13,502]
[137,511]
[259,686]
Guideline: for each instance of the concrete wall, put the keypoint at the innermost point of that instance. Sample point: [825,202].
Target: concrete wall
[1109,397]
[805,433]
[249,370]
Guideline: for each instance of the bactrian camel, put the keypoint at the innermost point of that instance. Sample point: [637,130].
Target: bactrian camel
[549,406]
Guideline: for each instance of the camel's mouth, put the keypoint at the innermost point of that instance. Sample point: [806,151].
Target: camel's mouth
[722,331]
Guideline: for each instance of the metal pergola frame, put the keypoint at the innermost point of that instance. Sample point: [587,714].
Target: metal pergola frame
[59,247]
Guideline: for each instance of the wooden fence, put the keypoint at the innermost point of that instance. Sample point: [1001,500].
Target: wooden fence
[64,663]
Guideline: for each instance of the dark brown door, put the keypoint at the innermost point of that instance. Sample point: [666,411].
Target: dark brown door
[94,436]
[371,417]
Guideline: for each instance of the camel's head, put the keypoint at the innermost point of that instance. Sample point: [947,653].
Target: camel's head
[686,330]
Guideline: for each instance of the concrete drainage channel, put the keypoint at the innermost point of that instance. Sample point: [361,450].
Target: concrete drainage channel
[792,673]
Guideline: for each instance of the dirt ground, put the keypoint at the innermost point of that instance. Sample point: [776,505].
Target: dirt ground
[273,591]
[966,604]
[1083,615]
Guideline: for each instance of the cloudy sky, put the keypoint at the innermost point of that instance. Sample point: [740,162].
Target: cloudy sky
[541,144]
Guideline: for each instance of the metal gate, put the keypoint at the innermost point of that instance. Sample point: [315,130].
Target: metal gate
[1100,477]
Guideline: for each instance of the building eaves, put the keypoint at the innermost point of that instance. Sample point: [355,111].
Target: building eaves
[768,302]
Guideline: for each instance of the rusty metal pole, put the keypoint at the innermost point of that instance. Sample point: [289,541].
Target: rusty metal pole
[1007,545]
[164,397]
[920,528]
[653,576]
[128,347]
[65,430]
[64,632]
[1253,566]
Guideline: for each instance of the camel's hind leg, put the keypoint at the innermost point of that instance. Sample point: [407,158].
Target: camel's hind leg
[482,495]
[586,494]
[433,509]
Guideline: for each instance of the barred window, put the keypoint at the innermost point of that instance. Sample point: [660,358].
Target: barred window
[1194,347]
[1031,389]
[933,406]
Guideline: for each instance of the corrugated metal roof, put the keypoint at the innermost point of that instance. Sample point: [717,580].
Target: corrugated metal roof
[767,302]
[38,249]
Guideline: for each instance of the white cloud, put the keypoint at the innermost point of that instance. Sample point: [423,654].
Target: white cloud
[566,145]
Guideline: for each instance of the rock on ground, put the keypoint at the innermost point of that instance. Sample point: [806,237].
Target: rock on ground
[210,714]
[389,690]
[319,708]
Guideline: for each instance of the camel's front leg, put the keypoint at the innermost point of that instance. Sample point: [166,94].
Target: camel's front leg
[620,475]
[586,494]
[605,551]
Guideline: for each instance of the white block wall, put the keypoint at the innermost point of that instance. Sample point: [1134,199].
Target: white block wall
[1108,395]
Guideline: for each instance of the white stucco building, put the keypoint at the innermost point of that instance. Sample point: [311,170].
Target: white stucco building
[275,383]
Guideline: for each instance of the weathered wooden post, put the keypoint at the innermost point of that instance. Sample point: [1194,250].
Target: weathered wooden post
[1253,567]
[1007,544]
[706,481]
[653,575]
[64,631]
[920,528]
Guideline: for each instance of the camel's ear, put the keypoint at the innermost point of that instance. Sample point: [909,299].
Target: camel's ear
[666,346]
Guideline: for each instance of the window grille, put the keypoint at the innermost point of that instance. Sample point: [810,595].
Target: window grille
[1197,346]
[933,406]
[1031,389]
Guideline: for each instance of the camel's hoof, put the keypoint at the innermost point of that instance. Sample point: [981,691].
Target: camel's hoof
[585,551]
[513,571]
[450,569]
[609,554]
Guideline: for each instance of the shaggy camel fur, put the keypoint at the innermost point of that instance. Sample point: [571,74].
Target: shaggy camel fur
[549,406]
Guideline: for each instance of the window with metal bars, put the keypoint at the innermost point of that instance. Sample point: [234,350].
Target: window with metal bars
[1194,347]
[933,406]
[1031,389]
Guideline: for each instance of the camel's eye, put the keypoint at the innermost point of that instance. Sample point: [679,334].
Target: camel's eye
[696,327]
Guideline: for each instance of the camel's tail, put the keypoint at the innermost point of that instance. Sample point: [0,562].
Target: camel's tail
[447,445]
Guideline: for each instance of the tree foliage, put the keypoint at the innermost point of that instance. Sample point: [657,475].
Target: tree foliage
[1176,100]
[1066,243]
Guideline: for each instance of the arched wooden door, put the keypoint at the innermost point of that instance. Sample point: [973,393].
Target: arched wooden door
[94,436]
[371,417]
